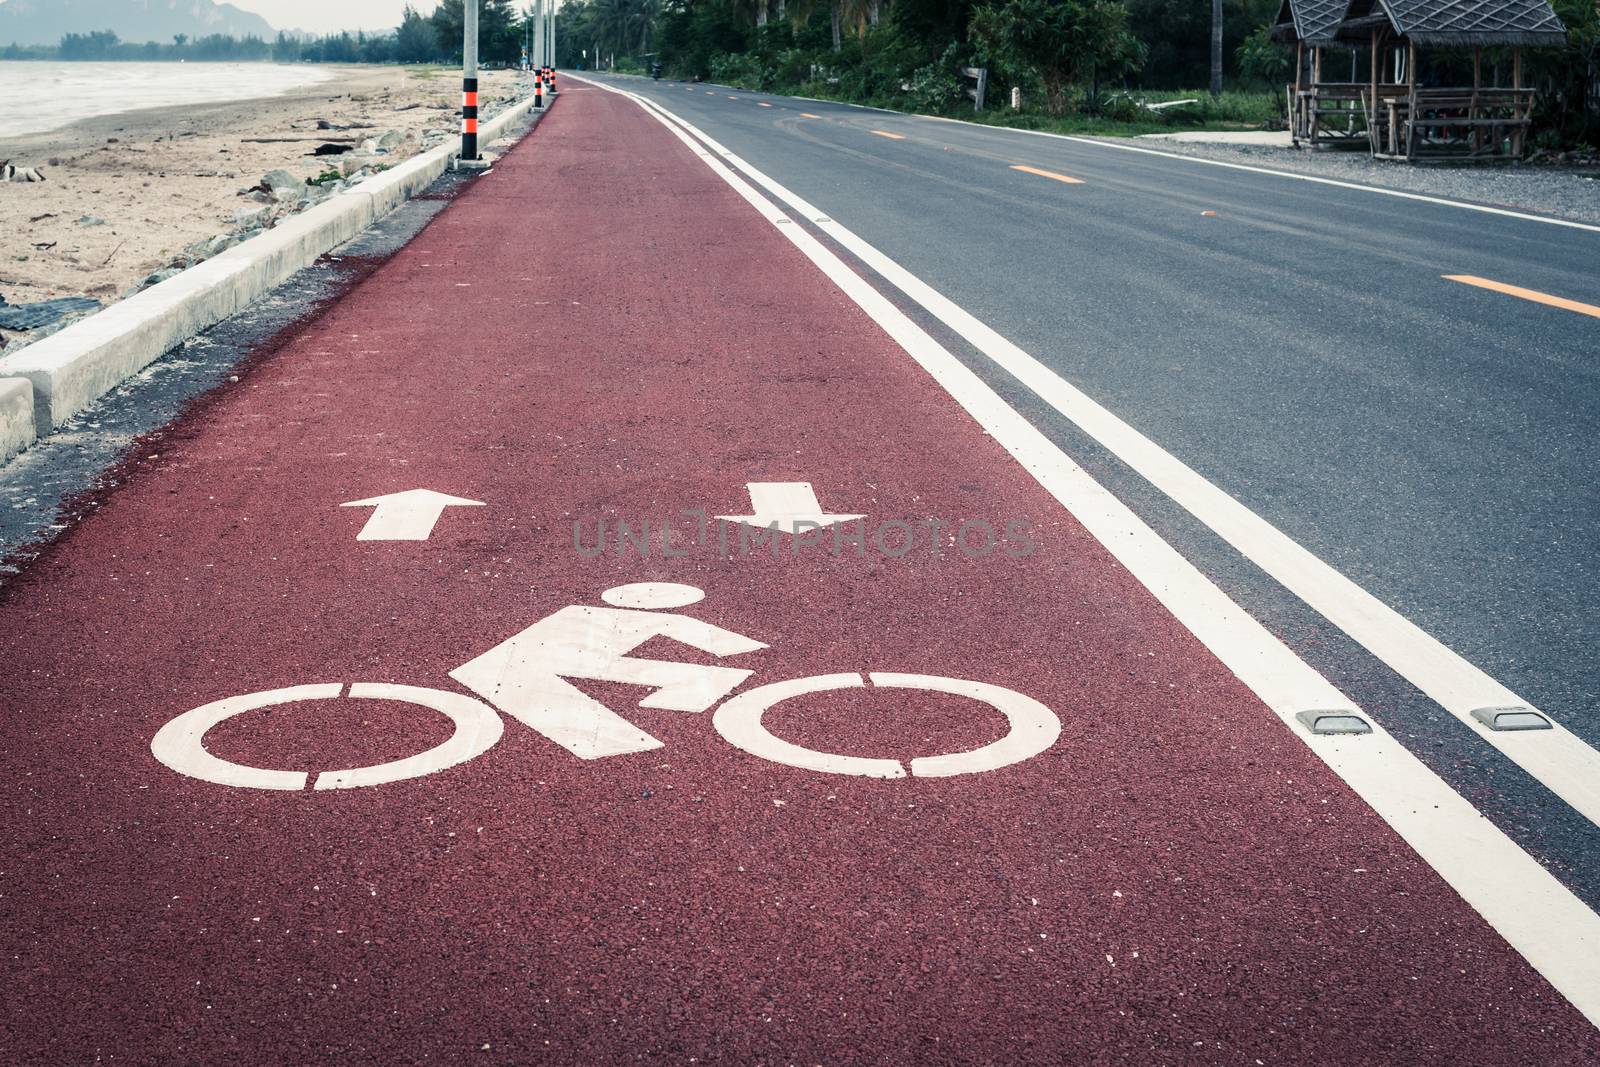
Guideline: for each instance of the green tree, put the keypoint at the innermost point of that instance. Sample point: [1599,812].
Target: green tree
[415,41]
[1062,42]
[1263,59]
[97,45]
[499,30]
[1569,106]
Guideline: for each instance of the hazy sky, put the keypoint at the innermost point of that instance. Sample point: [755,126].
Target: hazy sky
[321,15]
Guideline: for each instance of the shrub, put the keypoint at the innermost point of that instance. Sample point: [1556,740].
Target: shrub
[1062,41]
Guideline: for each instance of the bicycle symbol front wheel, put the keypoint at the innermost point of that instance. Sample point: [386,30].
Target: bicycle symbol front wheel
[1034,727]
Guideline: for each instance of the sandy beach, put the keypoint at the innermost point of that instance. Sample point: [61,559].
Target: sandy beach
[133,194]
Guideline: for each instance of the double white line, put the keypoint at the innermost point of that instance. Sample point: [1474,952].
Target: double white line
[1554,930]
[1559,759]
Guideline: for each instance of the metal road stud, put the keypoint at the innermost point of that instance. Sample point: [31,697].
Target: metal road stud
[1512,718]
[1327,723]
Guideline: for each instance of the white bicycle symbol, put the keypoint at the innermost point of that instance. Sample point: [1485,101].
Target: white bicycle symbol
[525,677]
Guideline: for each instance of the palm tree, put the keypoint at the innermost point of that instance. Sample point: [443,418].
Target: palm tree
[1216,48]
[856,15]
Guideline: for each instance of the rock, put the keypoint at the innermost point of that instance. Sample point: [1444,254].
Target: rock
[90,220]
[153,279]
[332,149]
[282,185]
[45,312]
[391,139]
[273,179]
[220,243]
[247,217]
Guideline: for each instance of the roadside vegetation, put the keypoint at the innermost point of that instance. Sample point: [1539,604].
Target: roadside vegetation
[1080,65]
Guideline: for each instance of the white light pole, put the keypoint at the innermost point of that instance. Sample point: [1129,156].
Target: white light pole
[469,80]
[538,37]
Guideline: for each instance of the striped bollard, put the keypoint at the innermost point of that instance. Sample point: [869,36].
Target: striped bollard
[538,91]
[469,118]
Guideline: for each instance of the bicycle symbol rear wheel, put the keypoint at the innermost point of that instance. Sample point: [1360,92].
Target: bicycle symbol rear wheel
[1034,727]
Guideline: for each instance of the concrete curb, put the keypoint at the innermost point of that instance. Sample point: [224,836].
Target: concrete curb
[16,416]
[68,370]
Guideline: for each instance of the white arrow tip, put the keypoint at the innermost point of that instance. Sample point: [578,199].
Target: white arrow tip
[414,496]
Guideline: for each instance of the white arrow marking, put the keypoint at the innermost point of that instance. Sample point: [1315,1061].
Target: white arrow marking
[407,516]
[788,504]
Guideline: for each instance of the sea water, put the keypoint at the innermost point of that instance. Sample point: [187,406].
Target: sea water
[39,95]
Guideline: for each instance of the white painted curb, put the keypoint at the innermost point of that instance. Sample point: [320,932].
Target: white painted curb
[16,416]
[70,369]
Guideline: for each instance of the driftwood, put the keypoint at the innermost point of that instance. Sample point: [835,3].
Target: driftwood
[292,140]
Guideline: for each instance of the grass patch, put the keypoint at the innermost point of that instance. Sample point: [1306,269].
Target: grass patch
[1120,115]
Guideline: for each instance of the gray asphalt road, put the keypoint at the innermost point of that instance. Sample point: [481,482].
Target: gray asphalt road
[1296,344]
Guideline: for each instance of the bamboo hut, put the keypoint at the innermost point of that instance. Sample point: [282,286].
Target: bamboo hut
[1416,101]
[1323,110]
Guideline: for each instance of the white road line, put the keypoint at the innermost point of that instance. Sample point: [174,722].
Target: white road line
[1400,193]
[1336,183]
[1559,759]
[1553,930]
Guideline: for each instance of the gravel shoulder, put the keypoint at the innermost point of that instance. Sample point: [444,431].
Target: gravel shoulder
[1571,193]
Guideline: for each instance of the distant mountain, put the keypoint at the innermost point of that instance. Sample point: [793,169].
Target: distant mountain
[47,21]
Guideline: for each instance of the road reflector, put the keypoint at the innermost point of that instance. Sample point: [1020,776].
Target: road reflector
[1512,718]
[1334,722]
[1052,175]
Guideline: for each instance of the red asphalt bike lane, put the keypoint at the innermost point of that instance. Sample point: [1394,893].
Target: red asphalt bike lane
[601,329]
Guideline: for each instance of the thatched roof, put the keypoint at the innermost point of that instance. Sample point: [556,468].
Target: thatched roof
[1457,23]
[1311,21]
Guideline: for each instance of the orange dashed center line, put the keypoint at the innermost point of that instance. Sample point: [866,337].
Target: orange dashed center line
[1525,294]
[809,115]
[762,103]
[1052,175]
[891,136]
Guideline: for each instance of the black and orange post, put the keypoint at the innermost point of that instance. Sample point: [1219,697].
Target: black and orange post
[469,118]
[538,89]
